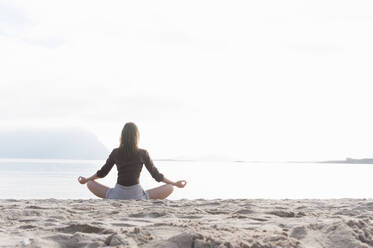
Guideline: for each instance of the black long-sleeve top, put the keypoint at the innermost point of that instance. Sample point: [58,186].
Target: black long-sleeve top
[129,167]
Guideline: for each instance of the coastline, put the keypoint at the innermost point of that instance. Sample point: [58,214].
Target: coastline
[255,223]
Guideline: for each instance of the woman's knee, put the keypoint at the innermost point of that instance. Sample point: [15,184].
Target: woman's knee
[169,188]
[90,184]
[97,188]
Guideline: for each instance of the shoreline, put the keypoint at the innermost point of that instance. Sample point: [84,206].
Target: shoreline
[252,223]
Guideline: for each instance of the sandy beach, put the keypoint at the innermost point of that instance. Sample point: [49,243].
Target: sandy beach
[343,223]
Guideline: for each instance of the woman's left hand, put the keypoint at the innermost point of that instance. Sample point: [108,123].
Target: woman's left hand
[82,180]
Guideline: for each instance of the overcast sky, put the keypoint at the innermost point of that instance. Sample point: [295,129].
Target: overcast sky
[256,80]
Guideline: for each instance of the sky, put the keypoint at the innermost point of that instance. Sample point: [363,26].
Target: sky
[242,80]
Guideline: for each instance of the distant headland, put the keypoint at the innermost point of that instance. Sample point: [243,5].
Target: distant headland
[351,161]
[57,143]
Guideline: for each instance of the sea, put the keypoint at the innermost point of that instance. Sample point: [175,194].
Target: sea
[44,179]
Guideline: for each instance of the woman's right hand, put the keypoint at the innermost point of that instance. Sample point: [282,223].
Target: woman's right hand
[180,184]
[82,180]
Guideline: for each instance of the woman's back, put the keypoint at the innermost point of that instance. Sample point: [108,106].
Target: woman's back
[129,166]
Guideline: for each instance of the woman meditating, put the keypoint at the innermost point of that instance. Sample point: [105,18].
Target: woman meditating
[129,160]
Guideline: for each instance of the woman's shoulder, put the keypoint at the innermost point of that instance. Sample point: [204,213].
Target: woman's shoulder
[115,150]
[142,151]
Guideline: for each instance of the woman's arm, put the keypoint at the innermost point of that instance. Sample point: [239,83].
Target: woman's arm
[179,184]
[84,180]
[159,177]
[151,168]
[105,169]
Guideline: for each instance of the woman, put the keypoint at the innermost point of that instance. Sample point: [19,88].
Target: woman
[129,160]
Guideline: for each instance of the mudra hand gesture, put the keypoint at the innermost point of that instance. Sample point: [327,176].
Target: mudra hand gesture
[82,180]
[180,184]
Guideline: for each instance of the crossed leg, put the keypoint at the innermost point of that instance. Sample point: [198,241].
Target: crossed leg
[161,192]
[97,189]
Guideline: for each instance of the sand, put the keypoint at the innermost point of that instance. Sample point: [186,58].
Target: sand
[341,223]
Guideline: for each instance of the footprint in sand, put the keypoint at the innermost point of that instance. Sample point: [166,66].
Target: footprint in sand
[84,228]
[191,217]
[259,219]
[284,214]
[27,220]
[35,207]
[123,224]
[151,215]
[76,240]
[57,218]
[244,211]
[27,227]
[216,212]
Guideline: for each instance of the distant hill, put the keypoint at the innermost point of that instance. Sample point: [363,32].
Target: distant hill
[69,143]
[352,161]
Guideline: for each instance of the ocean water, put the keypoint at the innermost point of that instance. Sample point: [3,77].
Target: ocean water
[41,179]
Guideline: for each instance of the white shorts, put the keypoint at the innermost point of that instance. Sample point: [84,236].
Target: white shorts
[133,192]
